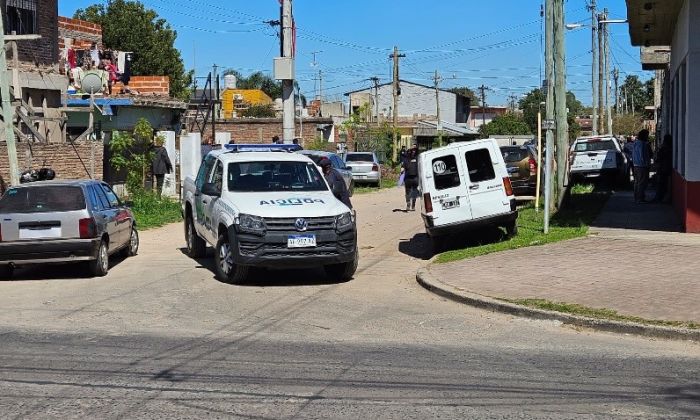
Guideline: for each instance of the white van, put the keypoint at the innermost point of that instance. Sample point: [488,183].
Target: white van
[465,185]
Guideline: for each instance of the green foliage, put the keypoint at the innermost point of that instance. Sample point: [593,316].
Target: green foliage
[130,26]
[261,81]
[530,104]
[150,211]
[259,111]
[506,124]
[468,92]
[386,183]
[627,124]
[638,93]
[131,152]
[317,144]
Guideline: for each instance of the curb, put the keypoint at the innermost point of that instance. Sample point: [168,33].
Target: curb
[426,279]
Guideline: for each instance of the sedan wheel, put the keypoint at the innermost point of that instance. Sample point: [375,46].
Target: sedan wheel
[100,265]
[133,247]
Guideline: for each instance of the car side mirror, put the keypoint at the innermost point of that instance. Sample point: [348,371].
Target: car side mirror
[211,190]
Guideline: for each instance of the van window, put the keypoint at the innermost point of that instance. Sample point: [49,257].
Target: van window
[479,165]
[445,172]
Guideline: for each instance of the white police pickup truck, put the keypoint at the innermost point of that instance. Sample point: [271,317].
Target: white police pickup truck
[263,206]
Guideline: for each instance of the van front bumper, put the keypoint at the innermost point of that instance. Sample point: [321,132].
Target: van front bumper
[448,229]
[43,252]
[271,251]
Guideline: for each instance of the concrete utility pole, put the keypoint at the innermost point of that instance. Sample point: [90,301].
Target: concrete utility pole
[608,83]
[375,81]
[594,64]
[561,113]
[549,111]
[437,80]
[601,71]
[483,90]
[7,110]
[395,91]
[288,129]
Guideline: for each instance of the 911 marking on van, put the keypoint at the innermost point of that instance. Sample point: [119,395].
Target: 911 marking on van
[291,202]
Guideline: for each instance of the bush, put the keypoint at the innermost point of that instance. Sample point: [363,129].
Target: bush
[151,212]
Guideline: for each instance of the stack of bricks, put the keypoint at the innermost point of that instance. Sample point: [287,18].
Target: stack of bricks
[261,130]
[146,85]
[61,157]
[82,33]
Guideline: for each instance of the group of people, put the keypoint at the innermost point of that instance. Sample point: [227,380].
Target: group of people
[638,152]
[116,66]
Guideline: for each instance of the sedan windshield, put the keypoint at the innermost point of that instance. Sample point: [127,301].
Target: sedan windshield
[359,157]
[42,199]
[274,176]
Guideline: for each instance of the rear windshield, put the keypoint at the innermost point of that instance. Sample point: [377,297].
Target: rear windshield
[359,157]
[274,176]
[513,154]
[594,146]
[42,199]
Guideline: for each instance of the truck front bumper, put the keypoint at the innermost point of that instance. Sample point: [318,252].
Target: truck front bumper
[271,251]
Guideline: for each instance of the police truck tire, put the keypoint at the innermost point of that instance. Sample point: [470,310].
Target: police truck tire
[6,272]
[196,247]
[226,270]
[344,271]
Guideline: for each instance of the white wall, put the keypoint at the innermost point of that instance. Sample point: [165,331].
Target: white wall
[170,182]
[190,155]
[415,99]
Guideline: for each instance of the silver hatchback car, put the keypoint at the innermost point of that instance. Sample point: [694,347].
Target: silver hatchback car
[365,167]
[62,222]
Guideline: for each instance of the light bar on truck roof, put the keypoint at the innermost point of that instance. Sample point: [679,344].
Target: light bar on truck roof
[237,148]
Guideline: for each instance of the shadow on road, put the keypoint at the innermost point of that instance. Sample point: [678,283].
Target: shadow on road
[59,271]
[421,246]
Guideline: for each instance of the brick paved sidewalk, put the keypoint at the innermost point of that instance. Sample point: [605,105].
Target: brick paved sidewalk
[650,274]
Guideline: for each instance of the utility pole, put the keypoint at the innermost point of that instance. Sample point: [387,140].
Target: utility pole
[483,90]
[7,110]
[616,75]
[288,130]
[512,101]
[608,82]
[562,128]
[549,112]
[594,64]
[375,80]
[601,71]
[395,91]
[437,80]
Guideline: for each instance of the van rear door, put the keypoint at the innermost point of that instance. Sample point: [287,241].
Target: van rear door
[484,180]
[445,181]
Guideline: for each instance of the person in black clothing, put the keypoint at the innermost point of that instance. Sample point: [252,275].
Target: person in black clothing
[665,166]
[402,154]
[335,181]
[160,165]
[409,167]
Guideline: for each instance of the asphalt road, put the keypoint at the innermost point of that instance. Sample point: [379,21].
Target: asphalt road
[160,337]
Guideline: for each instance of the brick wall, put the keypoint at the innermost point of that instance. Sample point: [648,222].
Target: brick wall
[261,130]
[42,51]
[155,85]
[62,158]
[82,33]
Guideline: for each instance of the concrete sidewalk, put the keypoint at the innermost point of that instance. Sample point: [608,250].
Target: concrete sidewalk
[634,262]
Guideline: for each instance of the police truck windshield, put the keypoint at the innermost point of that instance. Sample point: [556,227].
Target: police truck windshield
[274,176]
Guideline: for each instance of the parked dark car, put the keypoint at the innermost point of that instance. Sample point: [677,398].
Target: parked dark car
[337,163]
[522,166]
[64,222]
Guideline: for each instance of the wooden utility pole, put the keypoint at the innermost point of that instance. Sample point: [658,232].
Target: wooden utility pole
[395,91]
[616,76]
[483,90]
[594,64]
[561,114]
[549,112]
[7,110]
[438,127]
[601,71]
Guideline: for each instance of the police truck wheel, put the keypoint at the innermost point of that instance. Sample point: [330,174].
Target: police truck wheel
[226,270]
[344,271]
[6,272]
[196,247]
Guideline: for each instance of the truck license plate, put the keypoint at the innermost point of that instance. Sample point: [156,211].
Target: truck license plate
[450,204]
[301,241]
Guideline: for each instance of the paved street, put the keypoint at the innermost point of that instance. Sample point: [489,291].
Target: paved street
[160,337]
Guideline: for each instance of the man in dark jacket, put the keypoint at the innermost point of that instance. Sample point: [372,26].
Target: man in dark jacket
[160,165]
[335,181]
[409,167]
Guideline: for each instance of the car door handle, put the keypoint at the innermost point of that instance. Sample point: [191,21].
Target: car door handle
[473,187]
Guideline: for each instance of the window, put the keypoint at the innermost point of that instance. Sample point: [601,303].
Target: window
[104,202]
[359,157]
[204,170]
[274,176]
[479,165]
[514,154]
[217,176]
[95,201]
[337,162]
[445,172]
[42,199]
[21,16]
[594,146]
[111,196]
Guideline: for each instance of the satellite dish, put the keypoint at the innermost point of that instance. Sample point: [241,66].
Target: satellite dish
[92,82]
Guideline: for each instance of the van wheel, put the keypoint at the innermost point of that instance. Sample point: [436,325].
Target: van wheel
[132,247]
[100,265]
[344,271]
[512,228]
[196,247]
[226,270]
[6,272]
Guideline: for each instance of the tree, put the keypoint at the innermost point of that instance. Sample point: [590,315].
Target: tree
[261,81]
[532,102]
[131,152]
[627,124]
[509,123]
[638,93]
[468,92]
[259,111]
[129,26]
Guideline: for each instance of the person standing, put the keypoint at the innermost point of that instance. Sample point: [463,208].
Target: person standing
[627,151]
[335,181]
[409,167]
[665,166]
[402,154]
[275,139]
[160,165]
[641,159]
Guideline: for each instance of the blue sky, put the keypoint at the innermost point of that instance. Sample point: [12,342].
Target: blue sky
[495,43]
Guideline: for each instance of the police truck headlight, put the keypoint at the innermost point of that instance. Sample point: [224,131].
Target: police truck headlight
[251,224]
[345,222]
